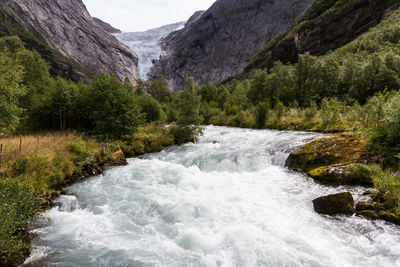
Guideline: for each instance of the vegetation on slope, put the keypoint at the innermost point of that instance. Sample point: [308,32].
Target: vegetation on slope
[325,26]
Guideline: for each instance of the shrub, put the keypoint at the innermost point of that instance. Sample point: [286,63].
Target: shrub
[311,111]
[330,111]
[18,206]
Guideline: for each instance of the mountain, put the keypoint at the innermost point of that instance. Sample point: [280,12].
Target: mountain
[219,42]
[106,26]
[147,44]
[65,34]
[325,26]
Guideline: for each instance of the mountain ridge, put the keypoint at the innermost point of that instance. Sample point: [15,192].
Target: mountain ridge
[221,41]
[75,45]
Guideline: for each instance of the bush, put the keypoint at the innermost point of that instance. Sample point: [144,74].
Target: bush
[311,111]
[330,111]
[18,206]
[82,153]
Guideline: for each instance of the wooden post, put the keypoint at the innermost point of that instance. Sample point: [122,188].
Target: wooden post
[20,144]
[103,150]
[1,153]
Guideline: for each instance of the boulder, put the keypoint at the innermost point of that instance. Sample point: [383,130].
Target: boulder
[341,203]
[344,175]
[118,158]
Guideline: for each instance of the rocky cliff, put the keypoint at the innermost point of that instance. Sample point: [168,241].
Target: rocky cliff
[325,26]
[66,35]
[147,44]
[106,26]
[219,42]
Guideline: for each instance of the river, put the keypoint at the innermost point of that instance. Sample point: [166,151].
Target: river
[227,200]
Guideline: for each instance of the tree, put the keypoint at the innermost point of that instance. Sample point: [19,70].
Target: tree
[11,89]
[258,85]
[261,114]
[159,90]
[150,107]
[114,111]
[188,123]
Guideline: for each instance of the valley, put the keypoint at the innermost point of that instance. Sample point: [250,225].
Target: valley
[251,133]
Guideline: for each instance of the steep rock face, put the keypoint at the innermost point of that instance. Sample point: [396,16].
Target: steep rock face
[106,26]
[219,42]
[147,44]
[67,27]
[325,26]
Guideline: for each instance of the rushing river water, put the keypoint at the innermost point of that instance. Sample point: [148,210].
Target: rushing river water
[226,201]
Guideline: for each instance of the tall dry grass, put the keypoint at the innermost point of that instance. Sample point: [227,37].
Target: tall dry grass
[44,146]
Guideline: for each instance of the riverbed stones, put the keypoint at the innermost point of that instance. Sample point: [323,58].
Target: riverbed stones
[341,174]
[334,160]
[341,203]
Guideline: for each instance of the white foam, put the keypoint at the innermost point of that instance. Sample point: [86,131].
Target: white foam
[225,201]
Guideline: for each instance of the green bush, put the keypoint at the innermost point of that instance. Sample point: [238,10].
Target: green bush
[311,111]
[330,111]
[82,153]
[18,206]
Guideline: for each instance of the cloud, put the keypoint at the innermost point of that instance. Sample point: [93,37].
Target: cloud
[139,15]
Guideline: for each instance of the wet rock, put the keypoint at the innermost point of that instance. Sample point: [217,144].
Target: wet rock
[362,206]
[368,214]
[341,203]
[336,150]
[118,159]
[390,217]
[343,175]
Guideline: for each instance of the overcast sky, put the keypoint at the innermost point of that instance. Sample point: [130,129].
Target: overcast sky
[140,15]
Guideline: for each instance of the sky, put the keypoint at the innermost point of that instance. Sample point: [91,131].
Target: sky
[140,15]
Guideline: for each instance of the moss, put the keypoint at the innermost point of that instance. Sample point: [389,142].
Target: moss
[390,217]
[362,206]
[369,214]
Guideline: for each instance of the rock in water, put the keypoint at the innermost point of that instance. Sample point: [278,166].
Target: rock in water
[218,43]
[66,26]
[341,203]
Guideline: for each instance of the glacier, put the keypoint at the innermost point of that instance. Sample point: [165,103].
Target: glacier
[146,44]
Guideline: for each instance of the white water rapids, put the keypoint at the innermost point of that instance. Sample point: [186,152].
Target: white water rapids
[226,201]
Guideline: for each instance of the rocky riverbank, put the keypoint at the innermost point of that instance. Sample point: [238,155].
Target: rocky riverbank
[345,159]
